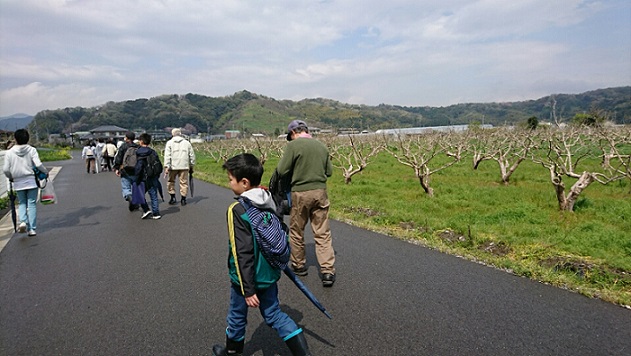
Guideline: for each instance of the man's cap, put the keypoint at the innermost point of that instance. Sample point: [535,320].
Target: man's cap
[294,125]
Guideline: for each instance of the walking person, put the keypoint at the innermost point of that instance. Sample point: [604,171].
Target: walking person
[109,152]
[100,162]
[89,155]
[125,170]
[19,162]
[144,179]
[253,279]
[179,160]
[307,161]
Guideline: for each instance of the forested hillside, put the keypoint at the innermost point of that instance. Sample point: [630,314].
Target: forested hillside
[253,113]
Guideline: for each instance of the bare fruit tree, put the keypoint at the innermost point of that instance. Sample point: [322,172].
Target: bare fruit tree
[221,150]
[615,142]
[352,154]
[509,147]
[419,153]
[479,145]
[562,151]
[265,147]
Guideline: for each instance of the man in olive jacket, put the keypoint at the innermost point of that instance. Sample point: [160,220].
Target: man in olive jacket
[308,162]
[179,159]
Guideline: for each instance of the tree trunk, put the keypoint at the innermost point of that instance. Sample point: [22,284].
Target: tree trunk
[559,188]
[583,182]
[566,202]
[424,180]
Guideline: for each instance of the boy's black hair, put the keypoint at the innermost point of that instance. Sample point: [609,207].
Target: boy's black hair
[145,138]
[245,165]
[21,136]
[131,136]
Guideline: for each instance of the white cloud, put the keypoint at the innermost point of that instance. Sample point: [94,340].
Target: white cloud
[400,51]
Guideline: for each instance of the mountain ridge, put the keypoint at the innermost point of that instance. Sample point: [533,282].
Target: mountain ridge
[255,113]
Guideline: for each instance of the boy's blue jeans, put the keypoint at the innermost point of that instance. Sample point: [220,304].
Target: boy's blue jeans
[155,203]
[27,209]
[269,308]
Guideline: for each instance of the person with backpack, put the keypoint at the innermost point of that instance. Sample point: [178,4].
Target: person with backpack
[179,159]
[88,154]
[147,173]
[253,279]
[19,162]
[125,166]
[109,152]
[307,161]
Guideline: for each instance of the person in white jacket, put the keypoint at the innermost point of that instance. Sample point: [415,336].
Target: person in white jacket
[19,162]
[179,159]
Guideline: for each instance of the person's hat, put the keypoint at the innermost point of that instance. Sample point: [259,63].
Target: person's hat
[176,132]
[294,125]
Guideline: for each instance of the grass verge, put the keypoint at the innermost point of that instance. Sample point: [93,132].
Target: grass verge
[517,228]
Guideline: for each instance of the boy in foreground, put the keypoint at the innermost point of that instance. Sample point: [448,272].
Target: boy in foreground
[253,279]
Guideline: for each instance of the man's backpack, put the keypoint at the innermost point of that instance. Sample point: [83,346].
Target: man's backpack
[130,159]
[271,234]
[153,168]
[280,187]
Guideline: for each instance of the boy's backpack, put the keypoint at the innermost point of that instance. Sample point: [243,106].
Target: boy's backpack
[271,234]
[153,168]
[280,187]
[130,159]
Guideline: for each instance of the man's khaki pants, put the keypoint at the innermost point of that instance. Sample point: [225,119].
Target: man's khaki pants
[311,205]
[183,181]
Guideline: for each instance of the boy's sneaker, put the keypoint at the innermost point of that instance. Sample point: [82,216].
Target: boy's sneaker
[156,217]
[146,214]
[32,232]
[22,227]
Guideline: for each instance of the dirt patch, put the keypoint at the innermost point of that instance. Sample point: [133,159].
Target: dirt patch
[558,263]
[412,226]
[364,211]
[588,270]
[451,236]
[497,249]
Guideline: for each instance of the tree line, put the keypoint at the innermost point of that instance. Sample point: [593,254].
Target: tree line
[253,113]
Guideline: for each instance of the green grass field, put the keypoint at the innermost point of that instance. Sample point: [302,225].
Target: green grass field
[518,227]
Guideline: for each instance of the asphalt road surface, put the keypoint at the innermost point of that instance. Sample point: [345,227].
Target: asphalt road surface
[98,280]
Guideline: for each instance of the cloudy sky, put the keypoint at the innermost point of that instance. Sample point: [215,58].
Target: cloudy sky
[67,53]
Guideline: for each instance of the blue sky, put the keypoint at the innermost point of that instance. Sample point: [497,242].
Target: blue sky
[67,53]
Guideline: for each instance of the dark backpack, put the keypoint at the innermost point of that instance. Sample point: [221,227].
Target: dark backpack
[271,234]
[153,168]
[280,187]
[130,159]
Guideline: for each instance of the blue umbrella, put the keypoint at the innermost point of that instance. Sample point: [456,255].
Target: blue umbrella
[305,290]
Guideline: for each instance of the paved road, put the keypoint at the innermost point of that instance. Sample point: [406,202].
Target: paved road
[97,280]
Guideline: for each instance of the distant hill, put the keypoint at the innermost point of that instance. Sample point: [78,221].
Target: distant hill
[254,113]
[15,121]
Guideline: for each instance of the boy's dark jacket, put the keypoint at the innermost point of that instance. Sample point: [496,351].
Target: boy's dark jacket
[247,267]
[143,153]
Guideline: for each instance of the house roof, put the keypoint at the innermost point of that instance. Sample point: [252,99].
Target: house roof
[108,128]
